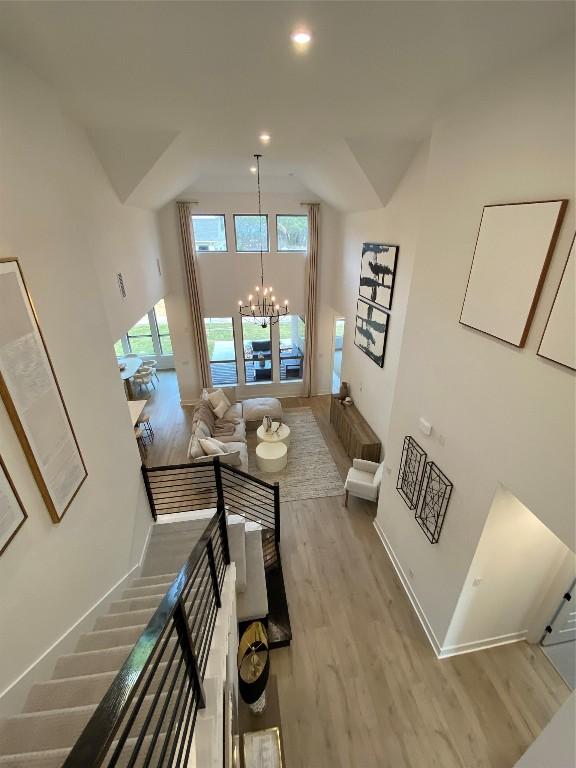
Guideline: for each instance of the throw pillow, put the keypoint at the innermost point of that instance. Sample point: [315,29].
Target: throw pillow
[211,447]
[194,447]
[220,409]
[216,398]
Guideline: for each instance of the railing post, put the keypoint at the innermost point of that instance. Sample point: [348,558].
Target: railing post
[218,482]
[224,536]
[187,645]
[149,491]
[277,514]
[213,573]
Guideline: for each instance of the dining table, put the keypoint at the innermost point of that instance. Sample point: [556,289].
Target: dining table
[131,366]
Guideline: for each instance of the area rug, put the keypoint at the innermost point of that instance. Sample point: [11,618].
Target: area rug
[310,471]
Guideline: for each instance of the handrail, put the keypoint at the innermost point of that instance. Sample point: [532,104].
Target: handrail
[95,741]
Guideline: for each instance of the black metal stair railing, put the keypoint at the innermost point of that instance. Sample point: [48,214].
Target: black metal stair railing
[147,717]
[177,488]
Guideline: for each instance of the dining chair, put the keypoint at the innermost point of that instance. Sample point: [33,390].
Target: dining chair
[143,378]
[149,363]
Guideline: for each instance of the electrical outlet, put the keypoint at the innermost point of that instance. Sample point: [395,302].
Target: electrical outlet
[442,440]
[388,470]
[410,573]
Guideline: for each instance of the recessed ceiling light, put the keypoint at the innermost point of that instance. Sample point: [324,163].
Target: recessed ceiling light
[301,37]
[253,169]
[264,138]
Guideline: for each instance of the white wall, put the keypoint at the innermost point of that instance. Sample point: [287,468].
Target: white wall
[372,388]
[516,560]
[555,747]
[501,415]
[59,216]
[227,277]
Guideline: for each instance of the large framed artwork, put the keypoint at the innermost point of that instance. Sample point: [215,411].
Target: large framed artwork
[32,396]
[371,330]
[12,513]
[513,250]
[558,341]
[378,272]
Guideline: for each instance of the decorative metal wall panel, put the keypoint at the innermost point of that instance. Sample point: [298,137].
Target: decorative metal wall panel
[411,472]
[433,502]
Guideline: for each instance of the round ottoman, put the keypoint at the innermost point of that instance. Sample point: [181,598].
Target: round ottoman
[271,457]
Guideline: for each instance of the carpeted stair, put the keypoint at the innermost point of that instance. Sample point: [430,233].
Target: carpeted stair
[56,712]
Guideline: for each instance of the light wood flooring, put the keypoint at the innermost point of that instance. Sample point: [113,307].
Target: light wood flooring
[360,686]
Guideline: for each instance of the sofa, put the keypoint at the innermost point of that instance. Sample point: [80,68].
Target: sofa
[227,426]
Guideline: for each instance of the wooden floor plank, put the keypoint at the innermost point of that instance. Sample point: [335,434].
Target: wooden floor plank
[360,686]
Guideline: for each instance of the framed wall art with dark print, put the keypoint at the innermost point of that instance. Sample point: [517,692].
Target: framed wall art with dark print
[378,272]
[371,329]
[33,399]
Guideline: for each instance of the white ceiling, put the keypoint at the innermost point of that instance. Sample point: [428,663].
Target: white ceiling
[174,94]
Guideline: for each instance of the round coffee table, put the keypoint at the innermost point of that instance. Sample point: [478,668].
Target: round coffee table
[280,435]
[271,457]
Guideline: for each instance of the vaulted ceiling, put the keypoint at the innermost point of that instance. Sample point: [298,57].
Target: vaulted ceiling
[175,94]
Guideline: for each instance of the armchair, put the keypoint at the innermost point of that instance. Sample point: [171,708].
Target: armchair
[364,480]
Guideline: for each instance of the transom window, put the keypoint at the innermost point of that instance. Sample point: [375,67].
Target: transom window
[251,231]
[209,232]
[292,232]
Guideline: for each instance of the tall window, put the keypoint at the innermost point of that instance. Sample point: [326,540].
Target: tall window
[250,232]
[209,232]
[292,338]
[292,232]
[164,340]
[257,351]
[140,337]
[150,337]
[221,350]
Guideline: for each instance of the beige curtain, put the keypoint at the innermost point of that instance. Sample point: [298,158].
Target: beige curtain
[311,295]
[198,329]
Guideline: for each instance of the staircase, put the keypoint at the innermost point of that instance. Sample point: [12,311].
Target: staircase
[57,712]
[154,683]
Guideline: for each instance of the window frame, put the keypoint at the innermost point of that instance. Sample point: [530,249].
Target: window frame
[291,250]
[222,216]
[272,355]
[234,347]
[291,357]
[254,215]
[144,336]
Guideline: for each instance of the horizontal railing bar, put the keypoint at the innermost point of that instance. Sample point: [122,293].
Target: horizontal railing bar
[248,485]
[251,493]
[237,493]
[227,468]
[232,500]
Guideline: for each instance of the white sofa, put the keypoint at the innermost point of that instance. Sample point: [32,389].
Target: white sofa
[364,479]
[231,428]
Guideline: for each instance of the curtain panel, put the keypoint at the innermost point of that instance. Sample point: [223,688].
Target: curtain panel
[311,294]
[192,281]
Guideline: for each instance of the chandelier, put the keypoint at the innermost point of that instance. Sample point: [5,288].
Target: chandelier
[262,306]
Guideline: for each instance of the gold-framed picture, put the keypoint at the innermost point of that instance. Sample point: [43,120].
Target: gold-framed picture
[33,399]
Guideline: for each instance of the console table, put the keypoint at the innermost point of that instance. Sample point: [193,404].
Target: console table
[358,438]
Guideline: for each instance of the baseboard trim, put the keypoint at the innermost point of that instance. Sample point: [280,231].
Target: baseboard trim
[13,696]
[409,591]
[482,645]
[442,652]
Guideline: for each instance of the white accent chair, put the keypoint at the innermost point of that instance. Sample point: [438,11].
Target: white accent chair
[364,480]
